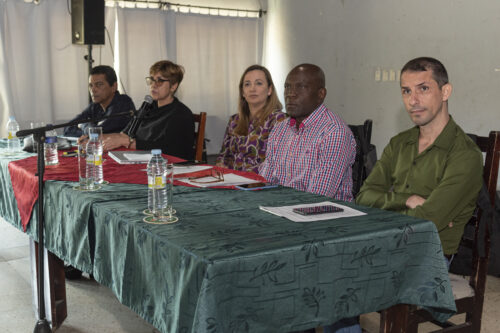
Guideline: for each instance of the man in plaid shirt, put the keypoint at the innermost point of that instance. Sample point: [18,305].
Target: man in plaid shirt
[314,149]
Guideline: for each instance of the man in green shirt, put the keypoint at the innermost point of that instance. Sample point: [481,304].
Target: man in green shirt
[433,170]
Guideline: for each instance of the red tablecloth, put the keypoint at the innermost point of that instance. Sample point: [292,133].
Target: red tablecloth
[25,181]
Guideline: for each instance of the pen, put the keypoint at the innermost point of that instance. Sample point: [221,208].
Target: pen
[70,153]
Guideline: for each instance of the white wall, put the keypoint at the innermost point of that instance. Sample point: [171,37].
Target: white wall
[351,39]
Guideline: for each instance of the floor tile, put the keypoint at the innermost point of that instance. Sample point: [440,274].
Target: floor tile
[15,252]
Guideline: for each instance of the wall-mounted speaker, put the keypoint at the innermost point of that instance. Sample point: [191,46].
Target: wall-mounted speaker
[87,22]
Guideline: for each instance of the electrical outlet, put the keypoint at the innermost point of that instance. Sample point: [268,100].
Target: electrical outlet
[385,75]
[392,75]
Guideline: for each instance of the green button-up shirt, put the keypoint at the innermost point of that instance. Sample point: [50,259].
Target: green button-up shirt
[448,174]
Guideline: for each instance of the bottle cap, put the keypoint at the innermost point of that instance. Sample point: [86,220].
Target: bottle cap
[156,151]
[51,139]
[12,118]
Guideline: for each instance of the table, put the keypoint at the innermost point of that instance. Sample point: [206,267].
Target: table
[229,267]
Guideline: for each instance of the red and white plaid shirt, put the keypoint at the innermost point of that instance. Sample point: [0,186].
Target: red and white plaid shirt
[316,158]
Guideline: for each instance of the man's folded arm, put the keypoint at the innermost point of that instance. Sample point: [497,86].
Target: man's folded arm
[376,190]
[458,188]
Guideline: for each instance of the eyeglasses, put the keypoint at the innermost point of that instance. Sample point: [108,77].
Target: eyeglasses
[159,81]
[218,175]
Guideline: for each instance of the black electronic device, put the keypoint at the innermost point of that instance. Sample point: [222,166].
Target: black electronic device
[315,210]
[87,22]
[255,186]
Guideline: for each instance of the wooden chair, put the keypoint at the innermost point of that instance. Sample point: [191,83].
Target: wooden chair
[469,293]
[363,135]
[199,137]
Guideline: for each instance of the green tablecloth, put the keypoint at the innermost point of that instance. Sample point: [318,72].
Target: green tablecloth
[226,266]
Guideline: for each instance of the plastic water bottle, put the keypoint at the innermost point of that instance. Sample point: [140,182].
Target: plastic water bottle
[94,159]
[13,143]
[157,183]
[50,148]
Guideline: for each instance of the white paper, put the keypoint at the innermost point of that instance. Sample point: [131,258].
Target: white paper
[287,212]
[230,179]
[137,157]
[179,170]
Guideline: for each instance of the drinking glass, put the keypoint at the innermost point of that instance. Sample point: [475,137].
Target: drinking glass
[170,192]
[97,130]
[33,125]
[85,180]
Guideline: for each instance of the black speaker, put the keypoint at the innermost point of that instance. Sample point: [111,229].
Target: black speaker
[87,22]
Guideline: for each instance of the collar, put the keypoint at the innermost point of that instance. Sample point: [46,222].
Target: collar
[293,123]
[447,136]
[113,101]
[444,140]
[167,106]
[311,119]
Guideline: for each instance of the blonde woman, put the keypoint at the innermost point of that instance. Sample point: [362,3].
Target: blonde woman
[259,109]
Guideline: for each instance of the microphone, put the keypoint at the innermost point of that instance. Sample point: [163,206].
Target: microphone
[134,123]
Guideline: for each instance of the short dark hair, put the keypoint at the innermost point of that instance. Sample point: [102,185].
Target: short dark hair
[108,71]
[423,64]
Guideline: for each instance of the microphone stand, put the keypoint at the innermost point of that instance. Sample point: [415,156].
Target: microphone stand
[42,325]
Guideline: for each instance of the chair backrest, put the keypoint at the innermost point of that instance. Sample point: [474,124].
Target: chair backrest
[466,260]
[476,239]
[199,135]
[491,146]
[366,154]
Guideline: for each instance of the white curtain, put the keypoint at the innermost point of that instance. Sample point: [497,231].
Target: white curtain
[5,92]
[144,36]
[44,77]
[39,71]
[215,51]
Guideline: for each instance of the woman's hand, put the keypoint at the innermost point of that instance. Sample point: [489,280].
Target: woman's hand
[115,140]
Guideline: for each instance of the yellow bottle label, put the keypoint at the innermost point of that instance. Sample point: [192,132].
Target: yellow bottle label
[98,160]
[10,136]
[158,182]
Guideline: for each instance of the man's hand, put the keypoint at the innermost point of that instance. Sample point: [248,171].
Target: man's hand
[82,140]
[414,201]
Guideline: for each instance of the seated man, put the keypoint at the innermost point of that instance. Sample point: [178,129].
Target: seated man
[168,125]
[106,101]
[433,170]
[314,149]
